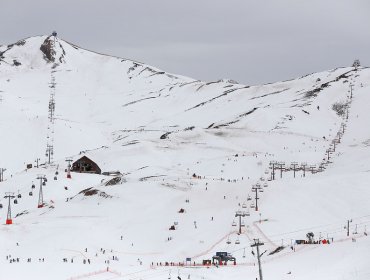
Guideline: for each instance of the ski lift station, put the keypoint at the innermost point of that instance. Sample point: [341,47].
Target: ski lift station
[85,165]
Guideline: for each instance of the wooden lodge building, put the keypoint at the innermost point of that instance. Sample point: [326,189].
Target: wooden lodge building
[85,165]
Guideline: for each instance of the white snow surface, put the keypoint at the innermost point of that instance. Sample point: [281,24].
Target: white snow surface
[115,110]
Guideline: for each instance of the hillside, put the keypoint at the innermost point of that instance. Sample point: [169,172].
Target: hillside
[159,129]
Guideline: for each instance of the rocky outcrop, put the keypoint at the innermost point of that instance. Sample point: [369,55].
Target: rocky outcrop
[49,50]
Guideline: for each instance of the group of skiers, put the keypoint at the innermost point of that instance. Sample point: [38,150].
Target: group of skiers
[17,260]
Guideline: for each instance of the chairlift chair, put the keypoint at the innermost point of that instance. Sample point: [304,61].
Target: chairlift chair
[237,241]
[19,195]
[228,241]
[249,198]
[260,190]
[234,223]
[33,186]
[55,178]
[1,206]
[244,205]
[252,205]
[242,223]
[15,201]
[247,213]
[265,185]
[30,194]
[44,183]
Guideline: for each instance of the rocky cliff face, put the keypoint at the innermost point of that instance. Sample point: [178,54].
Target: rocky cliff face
[49,49]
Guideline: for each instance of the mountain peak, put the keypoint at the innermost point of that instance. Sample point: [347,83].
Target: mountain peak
[33,52]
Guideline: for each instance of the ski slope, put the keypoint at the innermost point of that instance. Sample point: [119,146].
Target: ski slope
[158,129]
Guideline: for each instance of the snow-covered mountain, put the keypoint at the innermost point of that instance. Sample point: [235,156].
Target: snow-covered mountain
[180,144]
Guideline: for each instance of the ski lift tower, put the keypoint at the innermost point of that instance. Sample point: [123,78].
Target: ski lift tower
[41,195]
[273,167]
[49,152]
[255,189]
[69,160]
[304,166]
[294,165]
[240,214]
[257,244]
[10,196]
[2,174]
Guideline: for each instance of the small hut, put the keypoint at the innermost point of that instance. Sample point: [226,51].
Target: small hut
[85,165]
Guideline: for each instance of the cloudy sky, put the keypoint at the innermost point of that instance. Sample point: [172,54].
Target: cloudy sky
[251,41]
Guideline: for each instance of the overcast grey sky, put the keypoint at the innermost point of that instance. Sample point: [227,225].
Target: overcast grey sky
[249,41]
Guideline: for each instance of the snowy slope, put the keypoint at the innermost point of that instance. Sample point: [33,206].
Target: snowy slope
[158,129]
